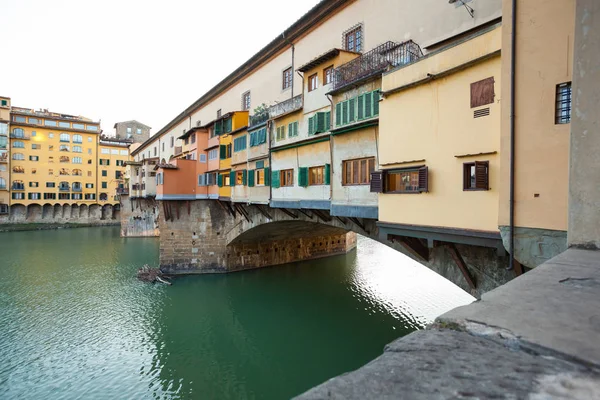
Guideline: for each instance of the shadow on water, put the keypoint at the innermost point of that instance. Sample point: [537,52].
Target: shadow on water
[74,321]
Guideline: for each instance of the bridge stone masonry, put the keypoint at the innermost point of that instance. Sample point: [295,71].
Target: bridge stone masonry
[211,236]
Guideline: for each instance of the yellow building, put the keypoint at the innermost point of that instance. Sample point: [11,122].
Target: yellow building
[223,127]
[439,146]
[53,158]
[4,155]
[112,155]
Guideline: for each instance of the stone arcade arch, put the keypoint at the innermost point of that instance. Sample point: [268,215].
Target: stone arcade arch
[34,213]
[47,211]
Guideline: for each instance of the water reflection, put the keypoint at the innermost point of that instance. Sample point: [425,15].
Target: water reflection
[74,321]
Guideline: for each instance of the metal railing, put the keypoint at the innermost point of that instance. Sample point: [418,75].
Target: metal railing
[123,190]
[63,188]
[18,187]
[284,107]
[76,189]
[258,119]
[19,136]
[376,61]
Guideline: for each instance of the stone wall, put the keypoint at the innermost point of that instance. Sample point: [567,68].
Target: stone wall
[94,214]
[139,217]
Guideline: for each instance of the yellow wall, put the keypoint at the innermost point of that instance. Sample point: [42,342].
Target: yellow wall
[544,59]
[434,122]
[112,182]
[48,168]
[240,119]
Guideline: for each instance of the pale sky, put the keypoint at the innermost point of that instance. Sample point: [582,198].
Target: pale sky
[118,60]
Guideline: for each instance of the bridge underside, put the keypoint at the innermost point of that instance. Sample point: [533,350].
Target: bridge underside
[209,236]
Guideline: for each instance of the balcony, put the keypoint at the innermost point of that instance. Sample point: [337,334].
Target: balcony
[76,189]
[375,62]
[290,105]
[259,118]
[3,187]
[21,136]
[124,191]
[18,187]
[63,188]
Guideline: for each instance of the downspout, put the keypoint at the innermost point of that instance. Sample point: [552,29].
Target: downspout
[331,139]
[513,57]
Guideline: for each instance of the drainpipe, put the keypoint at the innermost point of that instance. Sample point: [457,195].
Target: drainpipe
[331,138]
[293,51]
[513,57]
[269,128]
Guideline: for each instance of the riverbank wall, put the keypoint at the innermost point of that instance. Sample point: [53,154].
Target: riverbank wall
[535,337]
[139,217]
[35,216]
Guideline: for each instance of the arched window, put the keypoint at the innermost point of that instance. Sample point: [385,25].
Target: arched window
[17,144]
[77,149]
[64,159]
[103,196]
[65,137]
[64,147]
[18,156]
[77,172]
[77,139]
[64,185]
[18,185]
[64,171]
[2,183]
[18,170]
[76,160]
[76,187]
[18,133]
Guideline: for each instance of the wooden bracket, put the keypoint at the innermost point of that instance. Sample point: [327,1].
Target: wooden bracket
[240,209]
[461,265]
[342,220]
[263,212]
[322,216]
[307,213]
[286,211]
[357,222]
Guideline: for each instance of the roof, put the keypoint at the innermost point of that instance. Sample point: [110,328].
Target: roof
[165,166]
[328,55]
[133,121]
[309,21]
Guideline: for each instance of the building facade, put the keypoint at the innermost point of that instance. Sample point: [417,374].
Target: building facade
[133,131]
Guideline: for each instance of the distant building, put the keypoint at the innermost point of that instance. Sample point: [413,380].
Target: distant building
[4,154]
[134,130]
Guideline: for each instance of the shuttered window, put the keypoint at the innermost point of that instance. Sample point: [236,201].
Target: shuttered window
[303,177]
[239,143]
[476,175]
[408,180]
[292,129]
[251,174]
[286,177]
[280,133]
[240,177]
[275,181]
[258,137]
[223,151]
[319,123]
[357,108]
[482,92]
[357,172]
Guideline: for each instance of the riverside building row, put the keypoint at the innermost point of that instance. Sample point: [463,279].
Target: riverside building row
[49,159]
[391,111]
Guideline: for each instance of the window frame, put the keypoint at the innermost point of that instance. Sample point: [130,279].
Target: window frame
[286,78]
[328,75]
[356,34]
[483,186]
[320,172]
[350,162]
[417,169]
[314,78]
[563,107]
[286,178]
[246,101]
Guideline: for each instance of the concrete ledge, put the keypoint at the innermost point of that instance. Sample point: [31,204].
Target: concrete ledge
[343,210]
[308,204]
[176,197]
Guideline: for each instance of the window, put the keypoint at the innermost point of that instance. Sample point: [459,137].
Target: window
[563,103]
[104,172]
[34,196]
[34,121]
[18,133]
[64,124]
[77,172]
[482,92]
[358,108]
[240,143]
[319,123]
[34,158]
[18,170]
[213,154]
[104,185]
[91,127]
[118,175]
[89,185]
[225,151]
[89,174]
[64,159]
[358,172]
[90,196]
[90,139]
[313,82]
[77,139]
[3,128]
[65,137]
[18,156]
[64,171]
[120,163]
[258,137]
[104,151]
[89,161]
[77,149]
[115,152]
[128,130]
[328,75]
[78,126]
[138,131]
[476,175]
[3,142]
[34,184]
[125,152]
[36,146]
[49,196]
[18,185]
[202,158]
[64,196]
[64,147]
[407,180]
[104,161]
[287,177]
[240,177]
[19,119]
[293,129]
[172,141]
[353,39]
[280,133]
[246,101]
[316,176]
[287,79]
[3,207]
[50,184]
[33,133]
[154,151]
[18,196]
[17,144]
[75,196]
[218,113]
[76,187]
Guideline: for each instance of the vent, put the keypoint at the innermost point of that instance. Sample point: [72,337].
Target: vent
[484,112]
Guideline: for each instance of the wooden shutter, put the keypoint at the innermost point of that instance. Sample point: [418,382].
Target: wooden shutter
[327,174]
[482,175]
[267,176]
[275,179]
[361,106]
[303,176]
[220,180]
[423,179]
[482,92]
[231,178]
[352,110]
[338,114]
[375,102]
[368,105]
[251,174]
[223,151]
[377,182]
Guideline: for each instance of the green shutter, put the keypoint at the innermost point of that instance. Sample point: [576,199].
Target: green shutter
[327,121]
[296,128]
[244,176]
[263,135]
[275,179]
[260,164]
[327,177]
[345,113]
[220,180]
[311,126]
[223,151]
[368,105]
[267,176]
[278,133]
[227,125]
[338,114]
[250,178]
[218,127]
[361,107]
[352,110]
[321,122]
[303,176]
[376,103]
[231,178]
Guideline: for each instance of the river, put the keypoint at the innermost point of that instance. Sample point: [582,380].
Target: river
[76,323]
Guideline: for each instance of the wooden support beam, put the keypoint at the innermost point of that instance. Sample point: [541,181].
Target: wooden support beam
[358,223]
[307,213]
[322,216]
[288,212]
[263,212]
[177,208]
[240,209]
[461,265]
[227,208]
[188,206]
[342,220]
[518,268]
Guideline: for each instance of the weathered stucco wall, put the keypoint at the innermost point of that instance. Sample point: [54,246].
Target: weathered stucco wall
[139,217]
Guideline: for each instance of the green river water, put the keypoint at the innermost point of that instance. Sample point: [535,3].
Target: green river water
[75,323]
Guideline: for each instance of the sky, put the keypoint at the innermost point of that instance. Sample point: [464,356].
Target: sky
[119,60]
